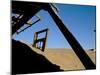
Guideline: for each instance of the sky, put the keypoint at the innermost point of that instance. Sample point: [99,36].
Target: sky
[79,19]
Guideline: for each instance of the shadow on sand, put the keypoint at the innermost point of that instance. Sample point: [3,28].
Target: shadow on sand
[24,60]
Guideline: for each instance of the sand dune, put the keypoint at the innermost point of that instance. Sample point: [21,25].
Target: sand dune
[65,58]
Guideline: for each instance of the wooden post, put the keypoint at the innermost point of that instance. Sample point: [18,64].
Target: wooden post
[34,40]
[45,40]
[84,58]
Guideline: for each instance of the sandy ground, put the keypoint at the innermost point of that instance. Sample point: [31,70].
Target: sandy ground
[65,58]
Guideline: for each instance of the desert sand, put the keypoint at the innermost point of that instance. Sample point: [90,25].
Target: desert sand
[65,58]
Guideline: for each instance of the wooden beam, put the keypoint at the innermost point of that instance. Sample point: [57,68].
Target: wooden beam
[84,58]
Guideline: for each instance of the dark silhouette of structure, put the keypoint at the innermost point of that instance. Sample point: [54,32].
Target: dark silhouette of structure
[28,10]
[25,60]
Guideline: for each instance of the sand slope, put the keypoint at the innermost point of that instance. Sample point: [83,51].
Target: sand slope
[65,58]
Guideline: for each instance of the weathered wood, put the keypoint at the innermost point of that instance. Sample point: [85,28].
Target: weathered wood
[41,40]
